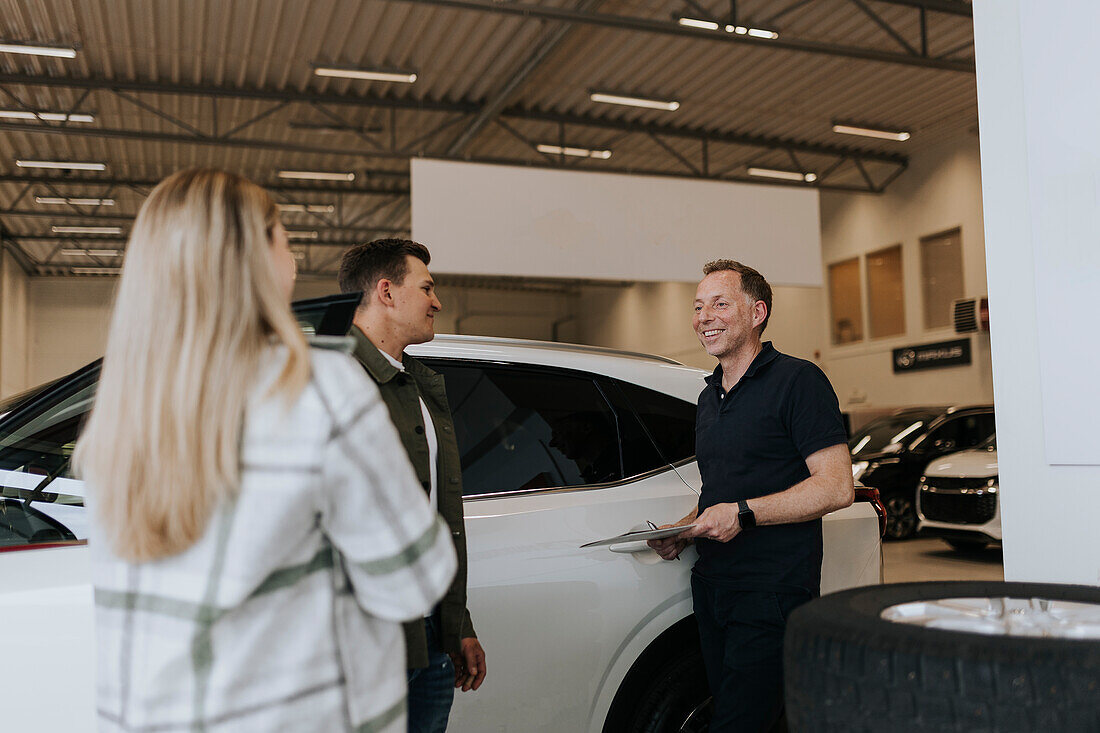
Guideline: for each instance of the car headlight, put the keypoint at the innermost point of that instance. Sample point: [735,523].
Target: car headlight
[858,469]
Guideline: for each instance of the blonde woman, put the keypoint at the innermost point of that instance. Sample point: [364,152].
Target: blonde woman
[258,532]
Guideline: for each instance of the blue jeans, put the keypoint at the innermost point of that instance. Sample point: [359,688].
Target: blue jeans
[432,688]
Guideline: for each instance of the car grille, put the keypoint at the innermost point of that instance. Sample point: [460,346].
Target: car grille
[958,508]
[954,484]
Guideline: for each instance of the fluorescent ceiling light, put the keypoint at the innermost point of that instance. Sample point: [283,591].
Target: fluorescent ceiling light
[895,135]
[317,176]
[307,208]
[345,72]
[708,25]
[301,235]
[32,49]
[85,230]
[754,32]
[61,165]
[575,152]
[22,114]
[668,106]
[95,270]
[783,175]
[91,253]
[75,201]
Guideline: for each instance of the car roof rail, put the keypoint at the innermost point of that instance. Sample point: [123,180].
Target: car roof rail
[555,345]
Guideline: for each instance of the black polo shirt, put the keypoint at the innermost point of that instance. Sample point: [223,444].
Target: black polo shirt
[753,442]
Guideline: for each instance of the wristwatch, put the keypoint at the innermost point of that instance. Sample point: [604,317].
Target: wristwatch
[745,515]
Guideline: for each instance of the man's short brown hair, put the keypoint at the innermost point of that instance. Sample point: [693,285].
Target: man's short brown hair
[363,265]
[752,283]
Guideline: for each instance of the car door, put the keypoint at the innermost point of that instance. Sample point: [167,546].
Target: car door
[46,597]
[553,459]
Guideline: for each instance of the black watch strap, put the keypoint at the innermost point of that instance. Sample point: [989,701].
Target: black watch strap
[745,515]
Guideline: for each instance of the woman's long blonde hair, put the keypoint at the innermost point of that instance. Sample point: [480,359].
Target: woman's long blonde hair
[198,303]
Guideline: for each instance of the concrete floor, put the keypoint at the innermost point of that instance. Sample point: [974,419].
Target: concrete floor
[933,559]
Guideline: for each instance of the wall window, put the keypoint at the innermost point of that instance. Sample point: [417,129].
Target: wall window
[885,292]
[941,276]
[846,301]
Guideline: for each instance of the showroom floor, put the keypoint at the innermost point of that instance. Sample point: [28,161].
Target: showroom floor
[933,559]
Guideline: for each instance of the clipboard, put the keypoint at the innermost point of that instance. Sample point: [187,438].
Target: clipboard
[639,535]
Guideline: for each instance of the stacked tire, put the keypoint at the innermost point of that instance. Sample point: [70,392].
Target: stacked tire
[849,669]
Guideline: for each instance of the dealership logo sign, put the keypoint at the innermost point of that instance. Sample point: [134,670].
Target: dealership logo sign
[932,356]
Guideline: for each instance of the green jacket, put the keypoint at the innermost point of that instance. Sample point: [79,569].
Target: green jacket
[402,396]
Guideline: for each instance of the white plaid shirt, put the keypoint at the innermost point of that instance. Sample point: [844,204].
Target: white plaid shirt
[285,614]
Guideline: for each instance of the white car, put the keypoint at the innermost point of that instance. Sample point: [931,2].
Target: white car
[561,445]
[957,498]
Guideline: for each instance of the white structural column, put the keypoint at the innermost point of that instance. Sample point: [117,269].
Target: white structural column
[1038,106]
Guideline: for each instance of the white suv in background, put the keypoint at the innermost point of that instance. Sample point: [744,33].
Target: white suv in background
[958,498]
[560,445]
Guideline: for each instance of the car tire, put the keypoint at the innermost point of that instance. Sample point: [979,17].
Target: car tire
[677,700]
[901,515]
[849,669]
[967,545]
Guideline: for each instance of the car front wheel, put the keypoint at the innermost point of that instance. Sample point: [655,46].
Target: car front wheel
[678,700]
[901,515]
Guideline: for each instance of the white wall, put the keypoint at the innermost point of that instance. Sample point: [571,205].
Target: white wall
[487,311]
[940,191]
[13,326]
[67,320]
[1048,512]
[656,318]
[67,324]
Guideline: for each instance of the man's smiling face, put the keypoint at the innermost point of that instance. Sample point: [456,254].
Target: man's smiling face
[724,316]
[415,303]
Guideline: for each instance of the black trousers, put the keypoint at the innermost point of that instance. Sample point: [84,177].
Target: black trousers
[742,638]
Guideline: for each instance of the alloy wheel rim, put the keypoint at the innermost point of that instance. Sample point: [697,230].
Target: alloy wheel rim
[900,519]
[1002,616]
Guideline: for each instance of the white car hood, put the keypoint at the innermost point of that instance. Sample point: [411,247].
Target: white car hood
[974,463]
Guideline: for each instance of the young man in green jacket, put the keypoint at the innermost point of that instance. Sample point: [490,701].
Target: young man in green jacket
[398,308]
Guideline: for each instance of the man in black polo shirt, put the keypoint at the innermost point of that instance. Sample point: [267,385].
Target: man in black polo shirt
[772,452]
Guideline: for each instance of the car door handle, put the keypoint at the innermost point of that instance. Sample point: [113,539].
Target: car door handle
[629,548]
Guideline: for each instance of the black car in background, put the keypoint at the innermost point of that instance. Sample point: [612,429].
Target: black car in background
[890,453]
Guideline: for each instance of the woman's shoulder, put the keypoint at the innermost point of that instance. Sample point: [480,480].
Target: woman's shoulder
[340,380]
[332,365]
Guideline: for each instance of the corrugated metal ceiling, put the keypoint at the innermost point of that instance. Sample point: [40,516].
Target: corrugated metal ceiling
[258,55]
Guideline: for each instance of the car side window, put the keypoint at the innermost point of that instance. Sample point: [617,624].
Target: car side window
[960,433]
[40,501]
[669,422]
[522,429]
[975,429]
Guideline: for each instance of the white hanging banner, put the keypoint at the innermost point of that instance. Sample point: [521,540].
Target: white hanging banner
[505,220]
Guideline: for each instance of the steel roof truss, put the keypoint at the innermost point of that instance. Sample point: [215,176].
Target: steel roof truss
[672,28]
